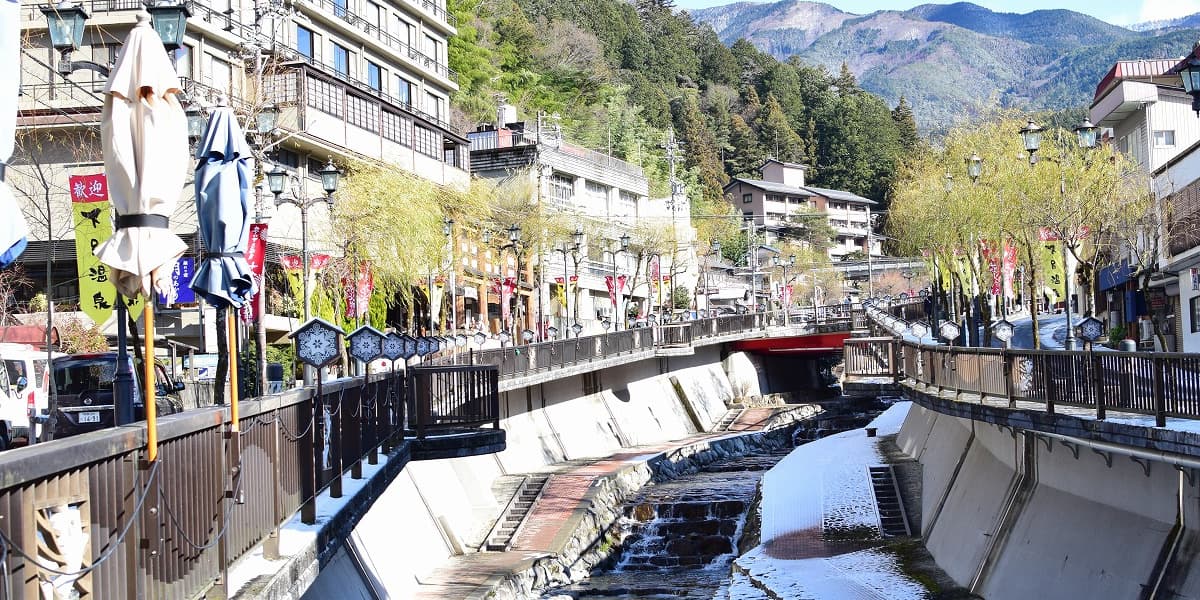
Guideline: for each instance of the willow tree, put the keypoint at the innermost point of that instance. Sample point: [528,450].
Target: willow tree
[1068,193]
[394,220]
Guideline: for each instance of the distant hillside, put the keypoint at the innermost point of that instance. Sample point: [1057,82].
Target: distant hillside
[949,60]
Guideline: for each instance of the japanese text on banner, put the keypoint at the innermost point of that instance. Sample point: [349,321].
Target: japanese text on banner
[92,215]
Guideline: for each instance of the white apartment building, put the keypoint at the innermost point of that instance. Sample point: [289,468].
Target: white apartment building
[608,195]
[353,80]
[1146,113]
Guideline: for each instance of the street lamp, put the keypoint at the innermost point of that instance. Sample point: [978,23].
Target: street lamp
[573,251]
[514,242]
[1031,134]
[170,21]
[1087,133]
[624,247]
[1189,71]
[784,297]
[66,23]
[713,249]
[277,178]
[974,166]
[448,231]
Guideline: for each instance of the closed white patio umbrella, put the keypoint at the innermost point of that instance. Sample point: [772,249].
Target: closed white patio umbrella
[13,229]
[144,137]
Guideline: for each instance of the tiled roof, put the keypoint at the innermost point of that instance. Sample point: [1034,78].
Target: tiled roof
[839,195]
[771,186]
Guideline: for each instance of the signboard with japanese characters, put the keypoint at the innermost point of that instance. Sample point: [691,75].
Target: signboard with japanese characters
[256,250]
[179,289]
[1053,270]
[92,215]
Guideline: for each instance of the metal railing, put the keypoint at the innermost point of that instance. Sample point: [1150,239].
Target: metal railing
[171,528]
[1159,384]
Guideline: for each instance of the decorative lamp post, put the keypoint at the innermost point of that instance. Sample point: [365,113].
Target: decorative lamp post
[277,178]
[170,21]
[480,338]
[505,337]
[1031,134]
[410,347]
[1087,134]
[949,331]
[552,331]
[527,335]
[1091,329]
[267,119]
[606,324]
[974,166]
[1003,330]
[577,329]
[1189,71]
[366,345]
[448,231]
[918,329]
[623,247]
[573,251]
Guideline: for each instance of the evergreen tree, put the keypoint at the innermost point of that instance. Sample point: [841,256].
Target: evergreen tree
[846,83]
[751,106]
[906,126]
[717,63]
[776,135]
[701,156]
[744,155]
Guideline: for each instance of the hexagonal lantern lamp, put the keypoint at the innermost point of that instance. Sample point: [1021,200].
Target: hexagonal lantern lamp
[366,343]
[423,347]
[460,341]
[577,329]
[949,331]
[317,342]
[505,337]
[552,331]
[1003,330]
[1091,329]
[918,329]
[480,338]
[393,346]
[410,346]
[527,335]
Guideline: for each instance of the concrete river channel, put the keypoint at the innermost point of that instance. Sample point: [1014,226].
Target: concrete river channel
[679,538]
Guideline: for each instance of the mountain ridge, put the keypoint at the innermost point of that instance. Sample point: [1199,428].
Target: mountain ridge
[952,60]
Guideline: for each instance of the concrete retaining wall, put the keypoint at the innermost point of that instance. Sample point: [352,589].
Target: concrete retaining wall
[1012,514]
[438,508]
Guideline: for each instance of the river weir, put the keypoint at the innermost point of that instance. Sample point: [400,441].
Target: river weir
[678,538]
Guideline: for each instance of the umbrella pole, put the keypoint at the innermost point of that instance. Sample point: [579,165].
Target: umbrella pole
[150,405]
[233,371]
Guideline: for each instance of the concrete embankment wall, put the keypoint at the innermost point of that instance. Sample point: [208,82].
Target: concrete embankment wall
[436,509]
[1010,513]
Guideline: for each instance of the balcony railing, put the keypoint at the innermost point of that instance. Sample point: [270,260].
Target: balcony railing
[1159,384]
[416,56]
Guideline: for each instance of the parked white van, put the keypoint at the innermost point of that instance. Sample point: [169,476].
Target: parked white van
[29,384]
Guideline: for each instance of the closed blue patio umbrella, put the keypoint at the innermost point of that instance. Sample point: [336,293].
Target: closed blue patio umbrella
[223,180]
[224,278]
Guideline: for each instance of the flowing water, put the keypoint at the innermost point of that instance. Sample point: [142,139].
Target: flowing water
[680,536]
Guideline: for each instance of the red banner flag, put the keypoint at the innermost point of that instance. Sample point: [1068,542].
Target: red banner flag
[88,188]
[358,296]
[506,292]
[291,262]
[612,293]
[256,251]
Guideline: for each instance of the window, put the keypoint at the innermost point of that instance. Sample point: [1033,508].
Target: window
[435,106]
[341,59]
[403,91]
[562,190]
[1194,309]
[774,198]
[748,215]
[432,47]
[362,112]
[398,128]
[747,198]
[402,29]
[596,196]
[324,95]
[287,158]
[374,76]
[217,73]
[627,204]
[1164,138]
[183,61]
[375,15]
[339,8]
[427,142]
[306,42]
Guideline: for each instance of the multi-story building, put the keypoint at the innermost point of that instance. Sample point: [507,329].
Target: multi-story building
[352,80]
[773,202]
[1144,111]
[603,195]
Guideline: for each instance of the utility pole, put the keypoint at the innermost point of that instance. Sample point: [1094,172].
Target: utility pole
[673,152]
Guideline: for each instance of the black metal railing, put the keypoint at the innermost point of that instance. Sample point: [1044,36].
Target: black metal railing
[1160,384]
[168,529]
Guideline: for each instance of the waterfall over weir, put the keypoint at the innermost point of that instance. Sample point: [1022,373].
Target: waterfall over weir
[679,537]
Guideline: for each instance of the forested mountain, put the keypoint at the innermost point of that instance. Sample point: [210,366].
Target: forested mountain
[621,74]
[953,60]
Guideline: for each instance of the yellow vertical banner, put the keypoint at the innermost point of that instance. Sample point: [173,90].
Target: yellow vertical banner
[1054,273]
[92,216]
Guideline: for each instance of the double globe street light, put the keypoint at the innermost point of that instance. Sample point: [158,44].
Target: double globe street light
[277,178]
[66,22]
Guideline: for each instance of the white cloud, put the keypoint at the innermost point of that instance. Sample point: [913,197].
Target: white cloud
[1156,10]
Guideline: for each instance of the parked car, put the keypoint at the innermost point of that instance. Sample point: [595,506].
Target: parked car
[12,412]
[84,385]
[30,383]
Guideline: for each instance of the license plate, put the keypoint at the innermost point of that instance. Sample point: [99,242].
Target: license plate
[89,417]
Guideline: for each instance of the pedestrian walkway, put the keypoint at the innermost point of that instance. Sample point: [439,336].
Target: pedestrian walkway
[552,521]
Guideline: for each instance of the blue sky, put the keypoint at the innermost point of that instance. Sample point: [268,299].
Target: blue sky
[1120,12]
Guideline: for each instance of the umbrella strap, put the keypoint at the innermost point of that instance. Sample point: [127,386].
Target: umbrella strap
[208,255]
[151,221]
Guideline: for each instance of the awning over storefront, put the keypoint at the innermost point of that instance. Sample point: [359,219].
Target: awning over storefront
[1114,275]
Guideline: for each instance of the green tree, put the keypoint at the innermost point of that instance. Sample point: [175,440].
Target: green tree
[906,126]
[776,134]
[745,155]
